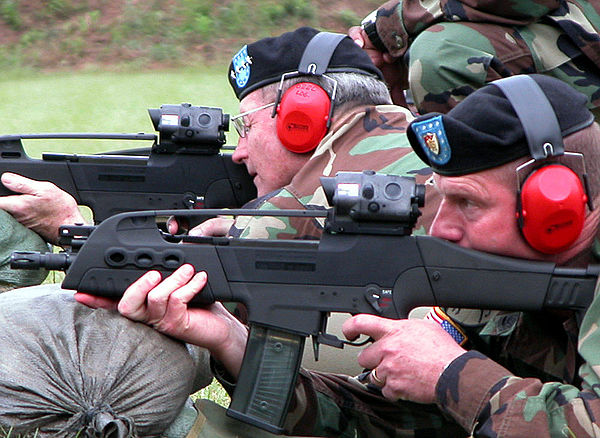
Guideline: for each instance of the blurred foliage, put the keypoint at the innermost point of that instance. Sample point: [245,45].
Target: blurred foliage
[9,13]
[91,34]
[214,392]
[9,433]
[349,17]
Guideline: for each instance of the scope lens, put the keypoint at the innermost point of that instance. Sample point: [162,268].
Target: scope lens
[393,191]
[204,119]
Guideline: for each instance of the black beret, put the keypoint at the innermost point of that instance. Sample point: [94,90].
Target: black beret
[483,131]
[264,61]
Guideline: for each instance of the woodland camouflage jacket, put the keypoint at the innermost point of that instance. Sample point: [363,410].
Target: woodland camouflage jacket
[454,47]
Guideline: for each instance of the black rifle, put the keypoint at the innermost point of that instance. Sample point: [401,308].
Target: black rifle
[183,169]
[365,262]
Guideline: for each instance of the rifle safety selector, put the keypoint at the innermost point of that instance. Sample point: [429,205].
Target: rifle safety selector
[380,299]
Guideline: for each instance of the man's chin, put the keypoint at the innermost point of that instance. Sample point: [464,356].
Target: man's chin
[261,188]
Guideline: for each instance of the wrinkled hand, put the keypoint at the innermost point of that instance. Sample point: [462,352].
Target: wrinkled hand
[409,355]
[42,206]
[215,227]
[393,69]
[163,304]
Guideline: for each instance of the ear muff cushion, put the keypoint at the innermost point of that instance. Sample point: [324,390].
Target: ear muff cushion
[302,117]
[553,204]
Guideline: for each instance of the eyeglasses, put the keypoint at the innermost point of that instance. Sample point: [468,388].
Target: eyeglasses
[239,123]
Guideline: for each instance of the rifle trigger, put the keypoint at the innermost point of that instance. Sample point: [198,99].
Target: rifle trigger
[315,343]
[328,339]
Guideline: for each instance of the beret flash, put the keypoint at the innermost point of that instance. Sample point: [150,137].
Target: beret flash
[484,131]
[264,61]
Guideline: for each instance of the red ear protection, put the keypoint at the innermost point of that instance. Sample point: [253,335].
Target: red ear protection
[302,117]
[551,202]
[552,208]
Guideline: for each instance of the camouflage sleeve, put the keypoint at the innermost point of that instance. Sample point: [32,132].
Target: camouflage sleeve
[327,404]
[400,21]
[448,61]
[489,401]
[274,227]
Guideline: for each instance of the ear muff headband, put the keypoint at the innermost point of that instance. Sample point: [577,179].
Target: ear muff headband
[535,114]
[318,53]
[551,202]
[304,111]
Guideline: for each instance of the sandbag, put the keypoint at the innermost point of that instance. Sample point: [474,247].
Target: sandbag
[68,370]
[16,237]
[202,374]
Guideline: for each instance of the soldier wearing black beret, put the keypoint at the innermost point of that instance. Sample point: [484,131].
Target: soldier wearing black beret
[312,104]
[460,373]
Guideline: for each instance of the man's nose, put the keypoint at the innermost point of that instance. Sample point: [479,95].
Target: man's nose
[240,153]
[445,225]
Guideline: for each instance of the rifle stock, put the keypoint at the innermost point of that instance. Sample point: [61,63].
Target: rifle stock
[290,287]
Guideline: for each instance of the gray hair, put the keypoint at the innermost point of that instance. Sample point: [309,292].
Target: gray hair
[587,142]
[353,89]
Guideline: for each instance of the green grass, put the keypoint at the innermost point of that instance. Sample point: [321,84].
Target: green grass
[104,102]
[214,392]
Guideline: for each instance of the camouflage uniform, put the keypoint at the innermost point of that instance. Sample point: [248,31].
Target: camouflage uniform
[455,47]
[367,138]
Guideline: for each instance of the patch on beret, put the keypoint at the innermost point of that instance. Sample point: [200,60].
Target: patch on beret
[241,65]
[484,131]
[264,61]
[432,139]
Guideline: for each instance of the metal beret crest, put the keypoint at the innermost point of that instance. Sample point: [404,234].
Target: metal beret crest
[433,140]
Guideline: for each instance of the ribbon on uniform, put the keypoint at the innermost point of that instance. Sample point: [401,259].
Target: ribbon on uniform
[436,314]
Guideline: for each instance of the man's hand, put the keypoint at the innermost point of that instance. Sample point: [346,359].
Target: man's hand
[163,304]
[360,37]
[393,69]
[408,355]
[215,227]
[42,206]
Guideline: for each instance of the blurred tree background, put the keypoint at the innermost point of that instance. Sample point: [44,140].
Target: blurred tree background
[151,34]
